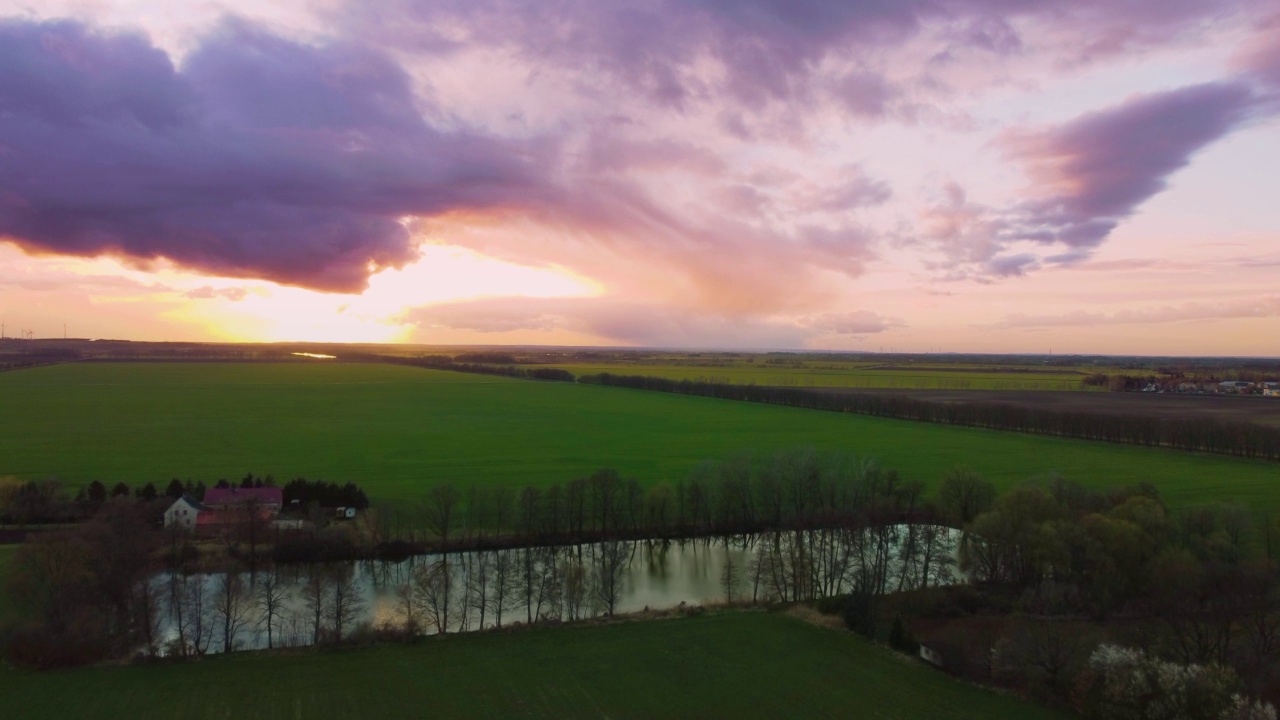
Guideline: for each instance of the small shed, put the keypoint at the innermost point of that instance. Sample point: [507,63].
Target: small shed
[931,656]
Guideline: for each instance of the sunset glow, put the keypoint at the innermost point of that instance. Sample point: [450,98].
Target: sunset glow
[959,176]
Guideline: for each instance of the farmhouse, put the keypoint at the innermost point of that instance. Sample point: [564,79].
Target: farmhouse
[184,513]
[1271,389]
[223,507]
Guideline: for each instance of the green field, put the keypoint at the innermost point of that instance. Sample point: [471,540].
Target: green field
[845,375]
[398,430]
[734,665]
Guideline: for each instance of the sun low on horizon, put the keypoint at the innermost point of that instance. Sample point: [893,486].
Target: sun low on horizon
[964,176]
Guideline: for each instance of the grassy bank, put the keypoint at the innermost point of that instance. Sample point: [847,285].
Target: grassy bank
[398,430]
[734,665]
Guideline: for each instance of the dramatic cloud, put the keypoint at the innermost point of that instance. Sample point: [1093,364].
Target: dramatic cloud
[1086,176]
[759,51]
[710,172]
[258,157]
[1096,170]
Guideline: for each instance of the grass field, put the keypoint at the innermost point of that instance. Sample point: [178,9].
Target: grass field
[398,430]
[847,375]
[734,665]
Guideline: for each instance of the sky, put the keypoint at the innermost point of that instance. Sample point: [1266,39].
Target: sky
[1092,176]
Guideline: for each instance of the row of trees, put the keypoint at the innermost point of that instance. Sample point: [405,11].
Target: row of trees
[464,363]
[743,494]
[1193,434]
[324,494]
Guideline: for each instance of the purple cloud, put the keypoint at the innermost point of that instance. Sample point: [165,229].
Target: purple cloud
[259,157]
[1087,176]
[1097,169]
[765,50]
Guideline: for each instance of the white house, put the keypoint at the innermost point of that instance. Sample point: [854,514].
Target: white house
[183,513]
[1271,389]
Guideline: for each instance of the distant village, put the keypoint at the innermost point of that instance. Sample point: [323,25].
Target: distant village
[1225,387]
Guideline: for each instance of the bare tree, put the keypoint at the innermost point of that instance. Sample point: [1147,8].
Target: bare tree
[431,588]
[442,510]
[316,599]
[177,611]
[529,514]
[231,606]
[501,506]
[730,574]
[504,583]
[408,609]
[574,583]
[479,582]
[148,614]
[197,611]
[270,598]
[345,603]
[529,574]
[612,558]
[964,495]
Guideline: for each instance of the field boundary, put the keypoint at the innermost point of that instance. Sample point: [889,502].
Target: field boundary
[1219,437]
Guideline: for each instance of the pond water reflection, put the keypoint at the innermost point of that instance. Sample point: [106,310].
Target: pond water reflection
[463,591]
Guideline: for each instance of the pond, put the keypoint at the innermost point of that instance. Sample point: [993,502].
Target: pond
[465,591]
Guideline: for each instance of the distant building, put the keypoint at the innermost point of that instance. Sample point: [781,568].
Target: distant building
[184,513]
[1271,389]
[224,509]
[1234,386]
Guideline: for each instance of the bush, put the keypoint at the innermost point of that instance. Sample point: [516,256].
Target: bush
[859,614]
[900,638]
[1124,682]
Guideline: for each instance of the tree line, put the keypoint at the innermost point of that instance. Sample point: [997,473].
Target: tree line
[1192,434]
[469,363]
[1072,574]
[789,489]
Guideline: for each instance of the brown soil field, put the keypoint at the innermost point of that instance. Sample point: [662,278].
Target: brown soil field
[1241,408]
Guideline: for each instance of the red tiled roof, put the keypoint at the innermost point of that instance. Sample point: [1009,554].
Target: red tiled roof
[235,496]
